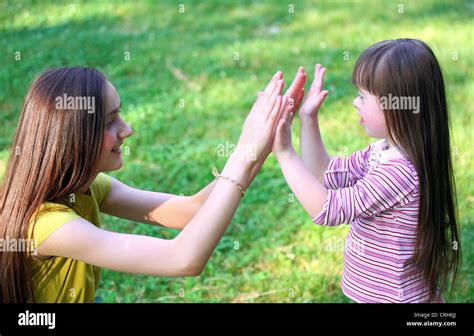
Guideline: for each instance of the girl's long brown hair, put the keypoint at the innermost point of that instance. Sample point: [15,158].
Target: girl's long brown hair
[408,68]
[52,155]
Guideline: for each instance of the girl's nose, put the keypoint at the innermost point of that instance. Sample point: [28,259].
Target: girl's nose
[354,102]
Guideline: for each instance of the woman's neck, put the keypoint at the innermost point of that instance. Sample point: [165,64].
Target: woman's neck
[86,186]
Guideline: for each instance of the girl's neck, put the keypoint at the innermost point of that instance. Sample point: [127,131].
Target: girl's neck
[390,143]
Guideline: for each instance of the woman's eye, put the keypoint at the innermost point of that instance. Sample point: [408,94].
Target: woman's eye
[112,120]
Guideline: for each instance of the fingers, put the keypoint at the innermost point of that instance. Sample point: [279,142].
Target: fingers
[320,99]
[277,90]
[282,133]
[286,111]
[279,130]
[280,127]
[297,84]
[319,83]
[272,100]
[277,122]
[257,101]
[262,97]
[318,78]
[299,99]
[317,67]
[271,85]
[275,111]
[271,91]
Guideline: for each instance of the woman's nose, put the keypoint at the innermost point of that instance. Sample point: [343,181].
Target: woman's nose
[125,132]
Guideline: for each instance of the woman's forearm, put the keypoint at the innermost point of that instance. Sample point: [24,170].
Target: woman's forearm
[198,199]
[198,239]
[313,152]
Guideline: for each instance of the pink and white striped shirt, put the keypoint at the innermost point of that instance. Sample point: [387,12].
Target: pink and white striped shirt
[376,191]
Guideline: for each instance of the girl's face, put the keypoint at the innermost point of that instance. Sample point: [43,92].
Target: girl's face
[371,114]
[116,130]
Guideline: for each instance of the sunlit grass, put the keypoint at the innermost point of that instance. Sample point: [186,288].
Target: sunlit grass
[282,255]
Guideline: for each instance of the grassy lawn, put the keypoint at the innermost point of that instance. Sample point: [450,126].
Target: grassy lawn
[187,81]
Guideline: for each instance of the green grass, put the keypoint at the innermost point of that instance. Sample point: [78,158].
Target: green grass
[281,255]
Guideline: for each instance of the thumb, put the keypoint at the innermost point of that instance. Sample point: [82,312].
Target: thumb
[280,129]
[320,99]
[292,116]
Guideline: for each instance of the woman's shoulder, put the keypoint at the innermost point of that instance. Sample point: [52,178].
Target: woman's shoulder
[51,215]
[100,187]
[48,218]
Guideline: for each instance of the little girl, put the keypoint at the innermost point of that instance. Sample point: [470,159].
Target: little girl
[398,194]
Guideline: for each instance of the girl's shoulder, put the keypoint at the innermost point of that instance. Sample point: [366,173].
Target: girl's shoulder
[381,154]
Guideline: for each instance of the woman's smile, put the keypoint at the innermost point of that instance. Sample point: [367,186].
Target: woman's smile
[116,149]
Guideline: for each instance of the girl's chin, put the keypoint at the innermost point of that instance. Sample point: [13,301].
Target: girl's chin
[369,132]
[374,135]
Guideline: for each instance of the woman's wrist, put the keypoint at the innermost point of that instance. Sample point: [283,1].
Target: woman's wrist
[239,168]
[246,157]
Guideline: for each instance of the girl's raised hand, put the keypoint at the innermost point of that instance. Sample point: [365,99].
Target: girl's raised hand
[316,95]
[282,142]
[258,130]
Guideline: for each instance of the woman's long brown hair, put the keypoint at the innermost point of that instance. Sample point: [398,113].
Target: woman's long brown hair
[408,68]
[52,155]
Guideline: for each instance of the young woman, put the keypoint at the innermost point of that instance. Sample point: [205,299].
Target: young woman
[69,133]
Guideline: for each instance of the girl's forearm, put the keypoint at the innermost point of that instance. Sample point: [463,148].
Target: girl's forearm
[307,188]
[198,239]
[313,152]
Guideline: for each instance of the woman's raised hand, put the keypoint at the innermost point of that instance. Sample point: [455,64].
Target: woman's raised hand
[295,93]
[259,126]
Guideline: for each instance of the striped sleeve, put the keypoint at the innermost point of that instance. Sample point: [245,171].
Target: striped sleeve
[345,171]
[387,185]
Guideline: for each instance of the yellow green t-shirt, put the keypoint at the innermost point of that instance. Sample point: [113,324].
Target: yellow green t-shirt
[59,279]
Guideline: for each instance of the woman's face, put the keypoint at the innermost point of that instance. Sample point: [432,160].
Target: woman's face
[371,114]
[116,130]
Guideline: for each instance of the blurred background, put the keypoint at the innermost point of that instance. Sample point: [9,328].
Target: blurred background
[187,73]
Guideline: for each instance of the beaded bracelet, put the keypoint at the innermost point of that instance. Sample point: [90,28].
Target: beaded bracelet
[217,175]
